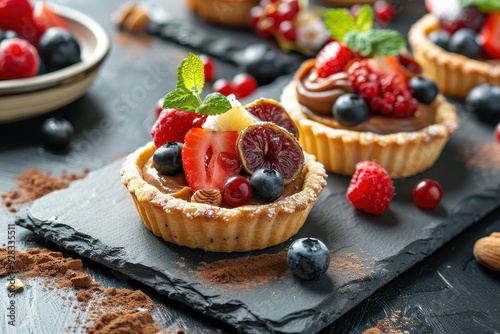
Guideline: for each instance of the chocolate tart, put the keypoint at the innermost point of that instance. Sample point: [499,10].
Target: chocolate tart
[401,152]
[225,12]
[220,229]
[455,74]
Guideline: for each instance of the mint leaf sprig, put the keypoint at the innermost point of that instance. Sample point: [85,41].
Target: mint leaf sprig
[358,33]
[484,6]
[186,95]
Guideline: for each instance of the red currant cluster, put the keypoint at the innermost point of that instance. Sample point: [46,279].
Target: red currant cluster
[383,11]
[275,17]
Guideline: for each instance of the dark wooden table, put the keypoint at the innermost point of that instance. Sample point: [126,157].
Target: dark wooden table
[445,293]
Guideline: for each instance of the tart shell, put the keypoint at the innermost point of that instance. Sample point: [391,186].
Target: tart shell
[402,154]
[225,12]
[213,228]
[455,74]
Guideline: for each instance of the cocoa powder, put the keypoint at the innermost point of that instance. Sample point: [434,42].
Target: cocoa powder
[111,310]
[483,157]
[395,324]
[33,184]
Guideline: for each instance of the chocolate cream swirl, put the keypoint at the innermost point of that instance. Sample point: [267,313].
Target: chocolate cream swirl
[317,96]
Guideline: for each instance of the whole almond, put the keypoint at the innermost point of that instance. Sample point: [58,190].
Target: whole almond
[487,251]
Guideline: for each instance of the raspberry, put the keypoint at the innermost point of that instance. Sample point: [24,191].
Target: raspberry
[371,188]
[385,90]
[18,59]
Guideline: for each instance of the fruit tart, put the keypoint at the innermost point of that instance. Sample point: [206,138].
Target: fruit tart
[458,44]
[361,99]
[225,12]
[220,176]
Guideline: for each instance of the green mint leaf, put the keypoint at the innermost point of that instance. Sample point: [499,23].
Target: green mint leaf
[484,6]
[364,20]
[181,99]
[373,43]
[338,21]
[190,74]
[214,104]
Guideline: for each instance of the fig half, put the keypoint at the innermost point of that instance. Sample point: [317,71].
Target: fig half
[271,111]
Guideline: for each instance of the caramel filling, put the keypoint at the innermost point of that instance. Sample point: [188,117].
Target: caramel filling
[317,96]
[178,187]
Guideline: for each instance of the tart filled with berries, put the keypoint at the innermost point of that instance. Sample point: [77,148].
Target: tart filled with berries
[362,98]
[221,176]
[458,44]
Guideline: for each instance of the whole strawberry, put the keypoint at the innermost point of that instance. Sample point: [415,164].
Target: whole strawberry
[172,125]
[371,188]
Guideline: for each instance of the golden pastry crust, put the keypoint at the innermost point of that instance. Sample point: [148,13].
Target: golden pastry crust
[212,228]
[455,74]
[226,12]
[401,154]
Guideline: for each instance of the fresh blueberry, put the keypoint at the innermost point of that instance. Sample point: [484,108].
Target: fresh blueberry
[308,258]
[350,109]
[465,42]
[484,101]
[56,133]
[267,184]
[58,49]
[167,158]
[441,38]
[424,90]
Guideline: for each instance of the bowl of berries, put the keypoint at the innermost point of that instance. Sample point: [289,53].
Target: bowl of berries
[49,56]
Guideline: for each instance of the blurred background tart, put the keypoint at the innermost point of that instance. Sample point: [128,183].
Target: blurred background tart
[225,12]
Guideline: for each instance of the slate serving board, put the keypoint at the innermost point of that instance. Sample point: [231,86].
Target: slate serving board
[96,218]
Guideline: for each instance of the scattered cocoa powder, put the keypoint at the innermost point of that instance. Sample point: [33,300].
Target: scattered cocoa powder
[394,324]
[111,310]
[484,157]
[245,272]
[33,184]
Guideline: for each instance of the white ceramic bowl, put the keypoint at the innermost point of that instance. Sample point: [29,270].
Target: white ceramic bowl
[22,98]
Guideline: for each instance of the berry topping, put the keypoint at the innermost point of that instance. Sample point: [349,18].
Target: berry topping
[236,119]
[58,49]
[427,194]
[56,133]
[490,34]
[244,85]
[382,83]
[236,191]
[465,42]
[384,12]
[267,184]
[350,109]
[308,258]
[209,158]
[172,125]
[483,101]
[167,158]
[44,17]
[466,17]
[223,86]
[424,90]
[18,59]
[267,145]
[208,67]
[440,37]
[332,59]
[17,15]
[371,188]
[271,111]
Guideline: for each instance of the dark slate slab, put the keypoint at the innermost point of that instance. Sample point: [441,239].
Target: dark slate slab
[95,218]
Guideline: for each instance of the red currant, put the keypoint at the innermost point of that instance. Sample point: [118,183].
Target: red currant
[427,194]
[286,12]
[265,27]
[255,15]
[244,85]
[383,11]
[287,30]
[497,133]
[223,86]
[236,191]
[208,66]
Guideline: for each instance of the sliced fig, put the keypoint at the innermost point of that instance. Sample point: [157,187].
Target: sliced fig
[268,110]
[267,145]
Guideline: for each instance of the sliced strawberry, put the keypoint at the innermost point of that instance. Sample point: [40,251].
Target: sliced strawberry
[173,124]
[332,59]
[490,34]
[17,15]
[44,17]
[390,65]
[209,158]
